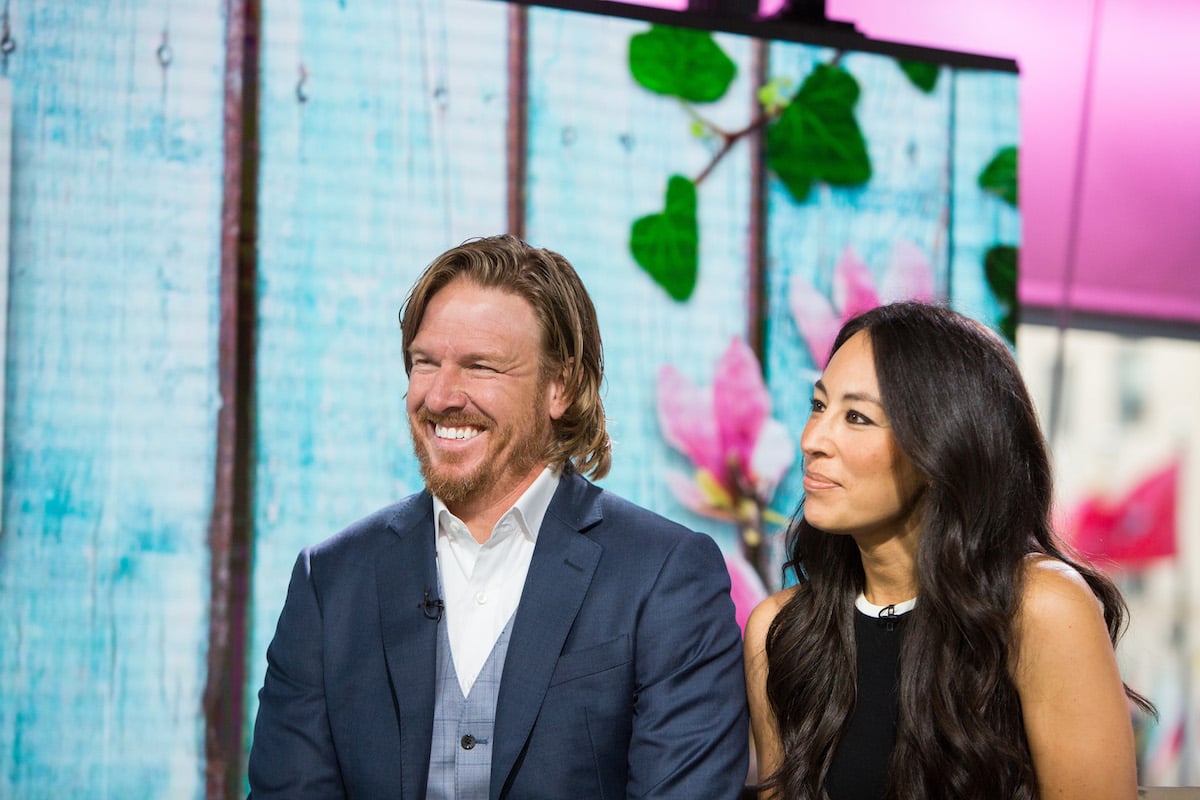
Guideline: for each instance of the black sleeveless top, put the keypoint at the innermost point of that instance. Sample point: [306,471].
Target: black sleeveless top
[860,763]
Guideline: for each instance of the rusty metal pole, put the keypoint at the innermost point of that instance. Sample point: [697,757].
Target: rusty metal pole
[230,524]
[517,133]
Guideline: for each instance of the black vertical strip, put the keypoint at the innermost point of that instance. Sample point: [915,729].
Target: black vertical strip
[230,524]
[757,553]
[756,245]
[517,133]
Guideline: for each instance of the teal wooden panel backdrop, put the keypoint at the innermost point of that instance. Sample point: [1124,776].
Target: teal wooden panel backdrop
[986,123]
[601,151]
[383,134]
[111,396]
[386,134]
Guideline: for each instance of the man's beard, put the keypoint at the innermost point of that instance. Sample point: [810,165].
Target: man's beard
[453,488]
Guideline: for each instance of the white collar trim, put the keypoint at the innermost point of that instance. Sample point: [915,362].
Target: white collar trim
[871,610]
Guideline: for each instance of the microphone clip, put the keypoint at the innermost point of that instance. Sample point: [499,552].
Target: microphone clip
[887,617]
[431,607]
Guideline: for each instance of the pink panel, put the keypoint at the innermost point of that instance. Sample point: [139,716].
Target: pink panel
[1140,225]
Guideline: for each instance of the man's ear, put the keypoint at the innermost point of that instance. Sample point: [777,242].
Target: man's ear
[557,400]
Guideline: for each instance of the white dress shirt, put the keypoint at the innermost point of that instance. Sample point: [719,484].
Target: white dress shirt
[482,583]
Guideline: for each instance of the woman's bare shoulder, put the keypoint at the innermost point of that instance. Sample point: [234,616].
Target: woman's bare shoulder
[1073,704]
[1059,621]
[764,614]
[1053,591]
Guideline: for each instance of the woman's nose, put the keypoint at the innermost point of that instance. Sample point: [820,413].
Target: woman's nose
[814,439]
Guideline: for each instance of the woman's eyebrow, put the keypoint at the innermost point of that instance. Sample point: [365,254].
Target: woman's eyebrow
[861,397]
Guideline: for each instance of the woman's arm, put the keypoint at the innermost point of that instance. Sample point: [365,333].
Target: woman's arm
[767,748]
[1076,715]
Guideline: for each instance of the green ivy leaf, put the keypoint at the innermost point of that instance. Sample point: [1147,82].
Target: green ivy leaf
[817,137]
[681,62]
[1000,268]
[667,245]
[923,74]
[1000,175]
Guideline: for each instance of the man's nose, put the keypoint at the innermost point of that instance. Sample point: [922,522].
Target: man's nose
[447,390]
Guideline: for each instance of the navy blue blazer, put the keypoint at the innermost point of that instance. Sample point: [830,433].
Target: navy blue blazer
[623,677]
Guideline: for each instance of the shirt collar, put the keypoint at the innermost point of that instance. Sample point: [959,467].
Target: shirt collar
[528,511]
[892,609]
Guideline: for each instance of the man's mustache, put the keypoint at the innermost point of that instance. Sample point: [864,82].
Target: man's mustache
[456,419]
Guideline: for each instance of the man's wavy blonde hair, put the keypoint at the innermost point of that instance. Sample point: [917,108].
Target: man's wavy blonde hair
[570,333]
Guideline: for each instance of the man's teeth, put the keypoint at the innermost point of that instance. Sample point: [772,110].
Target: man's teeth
[442,432]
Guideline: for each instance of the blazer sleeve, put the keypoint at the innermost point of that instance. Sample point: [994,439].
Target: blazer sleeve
[292,755]
[690,725]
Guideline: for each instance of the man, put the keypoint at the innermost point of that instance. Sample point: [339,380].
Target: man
[513,631]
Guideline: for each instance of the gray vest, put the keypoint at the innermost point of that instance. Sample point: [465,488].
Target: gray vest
[460,760]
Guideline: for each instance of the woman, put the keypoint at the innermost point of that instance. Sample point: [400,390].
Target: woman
[940,643]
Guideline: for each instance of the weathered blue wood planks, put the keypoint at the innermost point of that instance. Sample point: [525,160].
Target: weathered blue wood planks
[383,139]
[395,155]
[111,397]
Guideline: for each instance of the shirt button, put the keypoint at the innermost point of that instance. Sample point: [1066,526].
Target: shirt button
[467,742]
[481,598]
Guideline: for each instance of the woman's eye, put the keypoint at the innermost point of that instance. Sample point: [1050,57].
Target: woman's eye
[856,418]
[817,405]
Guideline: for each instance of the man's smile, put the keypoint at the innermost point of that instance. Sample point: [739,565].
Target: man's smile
[447,432]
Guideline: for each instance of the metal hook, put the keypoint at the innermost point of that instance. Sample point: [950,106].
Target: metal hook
[164,52]
[164,55]
[301,95]
[7,43]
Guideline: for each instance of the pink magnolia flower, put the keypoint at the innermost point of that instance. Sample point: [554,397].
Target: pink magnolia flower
[739,452]
[746,587]
[909,276]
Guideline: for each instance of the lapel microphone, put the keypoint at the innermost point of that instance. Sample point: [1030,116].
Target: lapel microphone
[431,607]
[887,615]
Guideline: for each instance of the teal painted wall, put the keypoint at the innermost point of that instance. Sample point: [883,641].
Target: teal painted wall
[396,154]
[111,397]
[382,143]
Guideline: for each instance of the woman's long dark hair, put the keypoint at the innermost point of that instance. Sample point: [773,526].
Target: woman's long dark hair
[960,411]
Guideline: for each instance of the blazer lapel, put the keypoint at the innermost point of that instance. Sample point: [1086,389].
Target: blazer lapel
[558,580]
[406,569]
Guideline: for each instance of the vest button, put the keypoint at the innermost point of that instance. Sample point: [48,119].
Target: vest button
[467,742]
